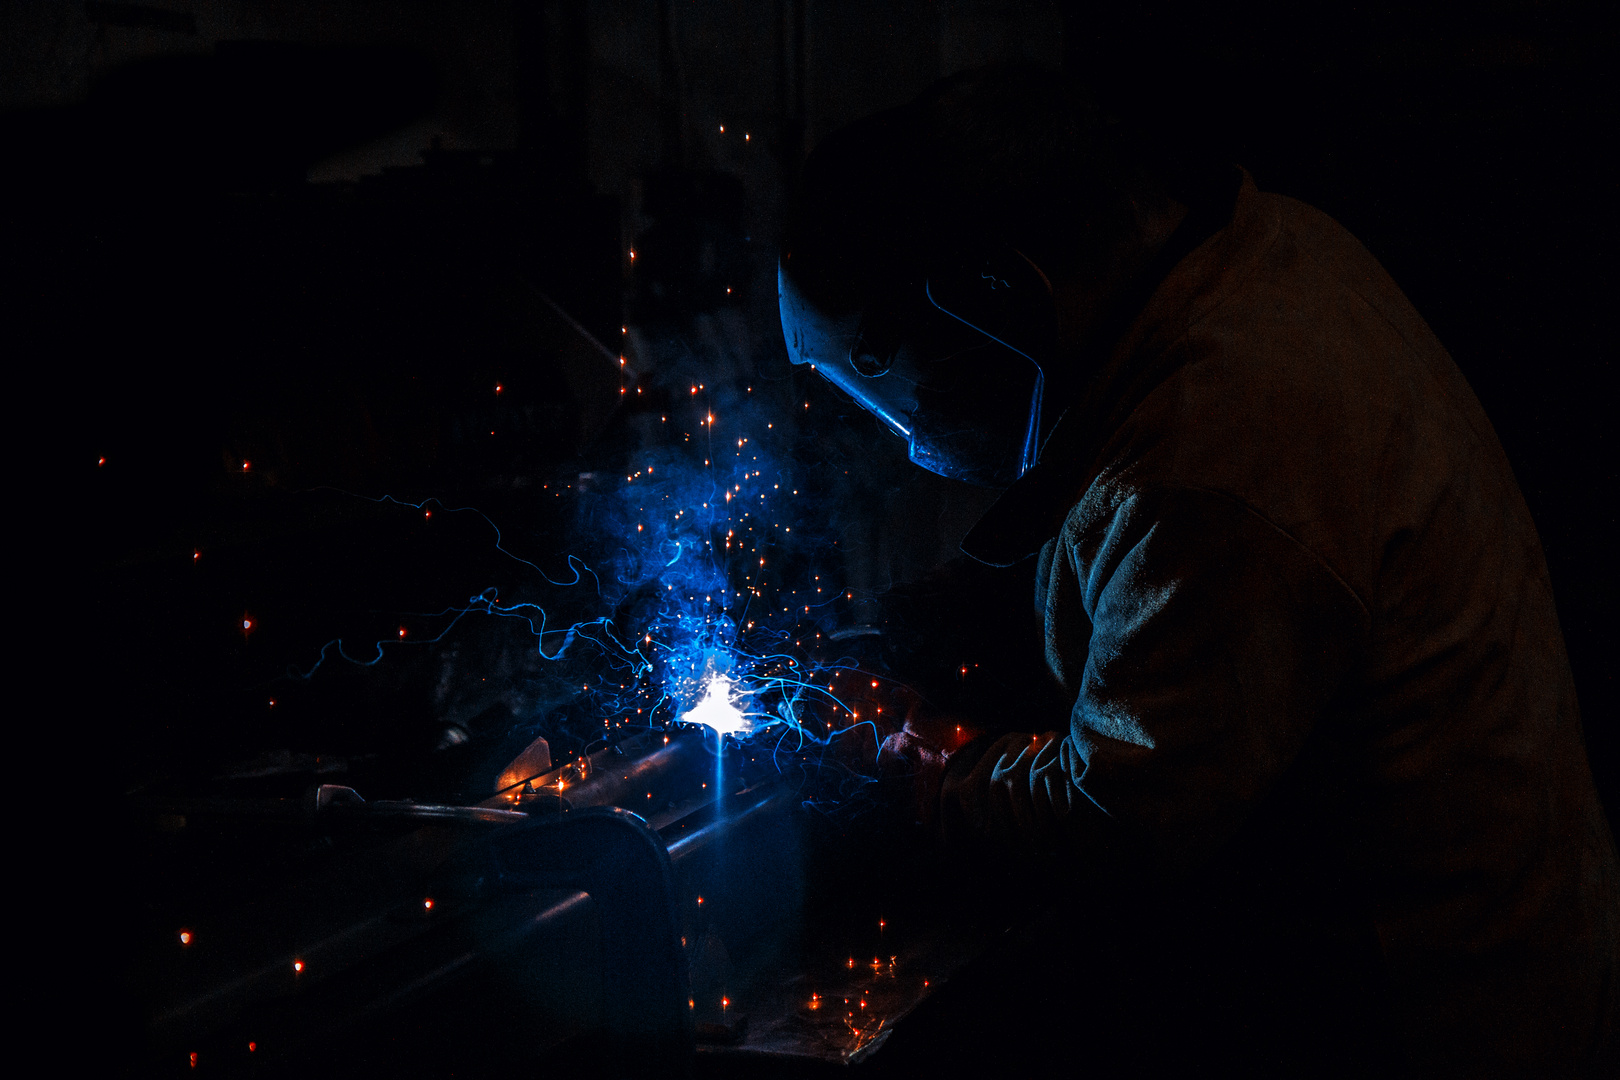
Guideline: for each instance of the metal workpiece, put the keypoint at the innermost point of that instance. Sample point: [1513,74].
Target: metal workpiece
[498,983]
[389,942]
[723,918]
[614,856]
[477,935]
[232,951]
[725,816]
[647,774]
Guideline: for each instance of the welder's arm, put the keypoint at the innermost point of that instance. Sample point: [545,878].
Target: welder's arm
[1205,643]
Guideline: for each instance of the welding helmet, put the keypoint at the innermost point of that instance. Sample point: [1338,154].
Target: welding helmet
[949,356]
[903,278]
[917,265]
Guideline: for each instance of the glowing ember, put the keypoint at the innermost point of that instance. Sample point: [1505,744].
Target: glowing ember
[718,708]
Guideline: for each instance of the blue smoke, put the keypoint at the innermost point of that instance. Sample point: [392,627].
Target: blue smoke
[698,558]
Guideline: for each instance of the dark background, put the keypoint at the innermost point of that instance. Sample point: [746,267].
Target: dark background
[312,236]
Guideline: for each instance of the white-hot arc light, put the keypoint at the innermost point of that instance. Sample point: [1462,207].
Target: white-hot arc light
[718,708]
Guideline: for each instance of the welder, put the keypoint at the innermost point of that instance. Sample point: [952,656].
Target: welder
[1284,571]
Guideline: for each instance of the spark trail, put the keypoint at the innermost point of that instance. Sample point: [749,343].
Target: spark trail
[712,586]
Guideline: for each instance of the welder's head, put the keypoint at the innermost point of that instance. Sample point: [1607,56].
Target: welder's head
[918,267]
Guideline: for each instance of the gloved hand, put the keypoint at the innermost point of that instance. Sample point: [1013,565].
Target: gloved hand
[1016,792]
[920,752]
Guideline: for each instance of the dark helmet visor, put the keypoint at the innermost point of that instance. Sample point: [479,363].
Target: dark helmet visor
[967,405]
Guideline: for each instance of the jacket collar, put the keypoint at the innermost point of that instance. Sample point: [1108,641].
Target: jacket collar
[1213,249]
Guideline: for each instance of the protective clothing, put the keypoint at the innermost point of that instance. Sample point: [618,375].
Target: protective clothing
[1285,568]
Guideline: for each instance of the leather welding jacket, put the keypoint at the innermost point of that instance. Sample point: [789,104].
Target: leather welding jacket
[1280,544]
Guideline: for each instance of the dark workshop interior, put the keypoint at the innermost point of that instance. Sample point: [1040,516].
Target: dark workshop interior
[371,336]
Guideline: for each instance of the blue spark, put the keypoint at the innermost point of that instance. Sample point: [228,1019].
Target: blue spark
[705,591]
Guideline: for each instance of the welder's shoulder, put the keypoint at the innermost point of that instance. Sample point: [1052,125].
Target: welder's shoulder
[1312,392]
[1319,322]
[1322,319]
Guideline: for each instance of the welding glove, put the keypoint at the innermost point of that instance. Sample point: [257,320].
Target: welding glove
[1018,792]
[920,753]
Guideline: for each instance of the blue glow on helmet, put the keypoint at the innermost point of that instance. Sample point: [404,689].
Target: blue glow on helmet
[966,400]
